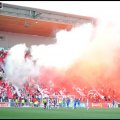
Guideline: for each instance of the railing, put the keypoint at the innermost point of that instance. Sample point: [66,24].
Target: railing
[81,105]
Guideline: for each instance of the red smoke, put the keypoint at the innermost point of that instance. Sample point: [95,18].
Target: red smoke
[74,77]
[97,68]
[99,71]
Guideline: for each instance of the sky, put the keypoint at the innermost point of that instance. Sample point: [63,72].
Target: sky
[97,9]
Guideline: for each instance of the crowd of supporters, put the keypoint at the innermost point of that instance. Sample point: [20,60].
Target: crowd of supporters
[30,94]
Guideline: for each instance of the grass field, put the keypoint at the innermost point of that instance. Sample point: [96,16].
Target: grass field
[62,113]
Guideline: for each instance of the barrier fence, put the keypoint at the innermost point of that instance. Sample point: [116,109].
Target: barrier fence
[81,105]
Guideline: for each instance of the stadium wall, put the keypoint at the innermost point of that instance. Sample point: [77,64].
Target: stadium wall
[8,39]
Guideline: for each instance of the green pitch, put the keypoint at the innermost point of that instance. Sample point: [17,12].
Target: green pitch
[62,113]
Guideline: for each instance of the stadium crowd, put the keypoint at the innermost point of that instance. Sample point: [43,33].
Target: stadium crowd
[30,95]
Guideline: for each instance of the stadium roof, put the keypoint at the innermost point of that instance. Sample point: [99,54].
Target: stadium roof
[19,19]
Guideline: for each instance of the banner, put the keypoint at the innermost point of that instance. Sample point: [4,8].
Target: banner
[4,104]
[98,105]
